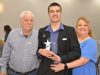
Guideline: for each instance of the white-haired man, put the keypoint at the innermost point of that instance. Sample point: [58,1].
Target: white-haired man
[19,51]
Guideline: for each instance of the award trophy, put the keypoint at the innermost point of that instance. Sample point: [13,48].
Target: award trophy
[48,45]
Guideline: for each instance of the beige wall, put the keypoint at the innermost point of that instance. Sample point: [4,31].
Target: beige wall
[72,9]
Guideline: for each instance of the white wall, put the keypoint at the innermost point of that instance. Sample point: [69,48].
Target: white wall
[72,9]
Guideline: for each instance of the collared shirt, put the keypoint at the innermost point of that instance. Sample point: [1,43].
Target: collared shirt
[20,51]
[54,37]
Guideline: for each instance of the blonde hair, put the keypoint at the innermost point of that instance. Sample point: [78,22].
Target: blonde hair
[88,24]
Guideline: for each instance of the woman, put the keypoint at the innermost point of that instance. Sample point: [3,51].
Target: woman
[85,65]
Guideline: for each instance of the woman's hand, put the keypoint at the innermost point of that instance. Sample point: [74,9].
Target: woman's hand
[56,58]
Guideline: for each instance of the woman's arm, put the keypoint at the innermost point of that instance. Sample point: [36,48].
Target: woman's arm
[79,62]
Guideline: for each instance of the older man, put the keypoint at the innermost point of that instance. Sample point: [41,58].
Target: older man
[20,48]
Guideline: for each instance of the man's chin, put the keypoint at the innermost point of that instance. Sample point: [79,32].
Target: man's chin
[56,21]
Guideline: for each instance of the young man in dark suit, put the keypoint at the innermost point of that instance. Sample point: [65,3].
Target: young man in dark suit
[57,43]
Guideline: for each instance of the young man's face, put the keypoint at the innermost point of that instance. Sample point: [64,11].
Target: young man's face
[55,14]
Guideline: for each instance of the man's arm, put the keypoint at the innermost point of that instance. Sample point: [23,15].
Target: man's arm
[39,43]
[74,52]
[5,55]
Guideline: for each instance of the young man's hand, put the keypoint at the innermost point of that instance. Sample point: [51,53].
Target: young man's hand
[57,67]
[46,53]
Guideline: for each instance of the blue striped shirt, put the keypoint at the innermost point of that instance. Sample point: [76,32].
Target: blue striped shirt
[54,37]
[20,51]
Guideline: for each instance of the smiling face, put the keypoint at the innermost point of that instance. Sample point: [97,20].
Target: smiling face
[55,14]
[82,27]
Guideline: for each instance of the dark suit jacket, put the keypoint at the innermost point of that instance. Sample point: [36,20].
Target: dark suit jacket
[68,49]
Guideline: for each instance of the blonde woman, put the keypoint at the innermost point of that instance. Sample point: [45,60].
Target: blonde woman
[85,65]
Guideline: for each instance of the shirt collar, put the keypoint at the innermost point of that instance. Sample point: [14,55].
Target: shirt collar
[21,33]
[50,30]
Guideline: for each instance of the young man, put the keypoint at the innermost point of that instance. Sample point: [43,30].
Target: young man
[20,48]
[57,43]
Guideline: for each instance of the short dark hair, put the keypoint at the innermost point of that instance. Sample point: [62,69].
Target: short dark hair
[54,4]
[7,28]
